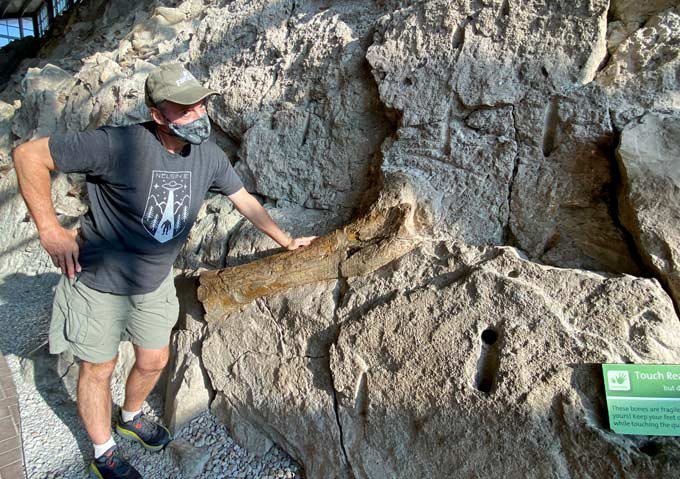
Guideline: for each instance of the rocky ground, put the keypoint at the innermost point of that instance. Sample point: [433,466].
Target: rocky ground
[504,168]
[55,446]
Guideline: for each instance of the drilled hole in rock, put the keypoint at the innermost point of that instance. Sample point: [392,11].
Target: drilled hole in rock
[488,362]
[484,385]
[550,127]
[489,336]
[544,72]
[650,448]
[514,273]
[408,81]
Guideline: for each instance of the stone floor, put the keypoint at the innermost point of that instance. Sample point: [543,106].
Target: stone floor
[11,454]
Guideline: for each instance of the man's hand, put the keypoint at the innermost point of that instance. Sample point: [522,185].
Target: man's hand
[296,243]
[60,243]
[249,207]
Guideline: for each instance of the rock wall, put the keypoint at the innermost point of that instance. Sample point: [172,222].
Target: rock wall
[495,184]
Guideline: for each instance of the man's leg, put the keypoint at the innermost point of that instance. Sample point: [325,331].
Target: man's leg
[132,423]
[94,399]
[149,364]
[149,327]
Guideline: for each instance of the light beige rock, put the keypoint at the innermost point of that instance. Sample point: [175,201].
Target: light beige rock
[641,75]
[188,391]
[6,137]
[250,243]
[42,109]
[500,142]
[208,241]
[488,363]
[409,370]
[635,11]
[649,159]
[297,90]
[617,32]
[268,365]
[21,251]
[563,192]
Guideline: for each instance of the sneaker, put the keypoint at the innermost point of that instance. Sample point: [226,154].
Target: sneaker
[149,434]
[111,465]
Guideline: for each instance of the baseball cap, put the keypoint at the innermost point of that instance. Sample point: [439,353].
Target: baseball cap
[172,82]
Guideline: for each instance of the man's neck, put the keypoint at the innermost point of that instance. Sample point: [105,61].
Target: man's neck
[170,142]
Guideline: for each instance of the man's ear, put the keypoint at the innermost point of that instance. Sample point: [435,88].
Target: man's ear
[157,116]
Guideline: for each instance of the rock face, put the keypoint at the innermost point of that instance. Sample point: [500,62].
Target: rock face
[481,346]
[632,11]
[6,117]
[299,94]
[505,146]
[481,351]
[641,74]
[649,158]
[495,189]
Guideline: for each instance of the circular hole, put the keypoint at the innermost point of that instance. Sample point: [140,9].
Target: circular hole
[650,448]
[484,385]
[408,81]
[514,273]
[489,336]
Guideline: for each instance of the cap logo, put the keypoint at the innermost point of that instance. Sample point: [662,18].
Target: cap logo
[186,76]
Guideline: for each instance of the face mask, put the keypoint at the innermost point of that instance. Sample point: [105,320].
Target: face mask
[195,132]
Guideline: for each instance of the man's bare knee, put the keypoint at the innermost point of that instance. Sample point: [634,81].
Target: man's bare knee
[97,371]
[150,362]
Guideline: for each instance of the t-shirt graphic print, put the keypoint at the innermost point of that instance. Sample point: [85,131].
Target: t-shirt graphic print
[168,203]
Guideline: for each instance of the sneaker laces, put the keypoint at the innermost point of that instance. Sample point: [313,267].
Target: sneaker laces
[145,428]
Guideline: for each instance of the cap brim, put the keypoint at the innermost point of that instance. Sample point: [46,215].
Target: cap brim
[190,95]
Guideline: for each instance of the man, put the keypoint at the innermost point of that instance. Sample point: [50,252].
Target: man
[145,183]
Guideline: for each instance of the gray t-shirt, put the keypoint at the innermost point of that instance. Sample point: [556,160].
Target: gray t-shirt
[143,201]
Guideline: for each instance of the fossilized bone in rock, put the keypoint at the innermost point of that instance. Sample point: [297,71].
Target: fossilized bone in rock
[386,232]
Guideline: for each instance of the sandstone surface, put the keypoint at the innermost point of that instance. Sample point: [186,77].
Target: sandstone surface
[649,158]
[641,74]
[495,189]
[445,342]
[500,354]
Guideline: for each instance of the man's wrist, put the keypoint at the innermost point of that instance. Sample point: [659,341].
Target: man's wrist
[288,241]
[46,229]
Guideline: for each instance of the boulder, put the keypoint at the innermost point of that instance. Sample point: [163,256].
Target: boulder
[188,391]
[43,108]
[445,342]
[297,91]
[273,383]
[492,361]
[189,459]
[499,140]
[208,240]
[649,160]
[563,194]
[6,138]
[641,75]
[250,243]
[634,11]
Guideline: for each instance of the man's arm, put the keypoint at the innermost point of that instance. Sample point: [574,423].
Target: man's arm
[33,163]
[249,207]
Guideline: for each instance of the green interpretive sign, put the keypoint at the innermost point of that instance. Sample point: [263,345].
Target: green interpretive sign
[643,398]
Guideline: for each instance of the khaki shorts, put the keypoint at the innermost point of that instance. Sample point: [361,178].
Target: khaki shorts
[91,324]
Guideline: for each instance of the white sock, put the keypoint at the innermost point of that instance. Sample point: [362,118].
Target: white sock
[100,449]
[128,416]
